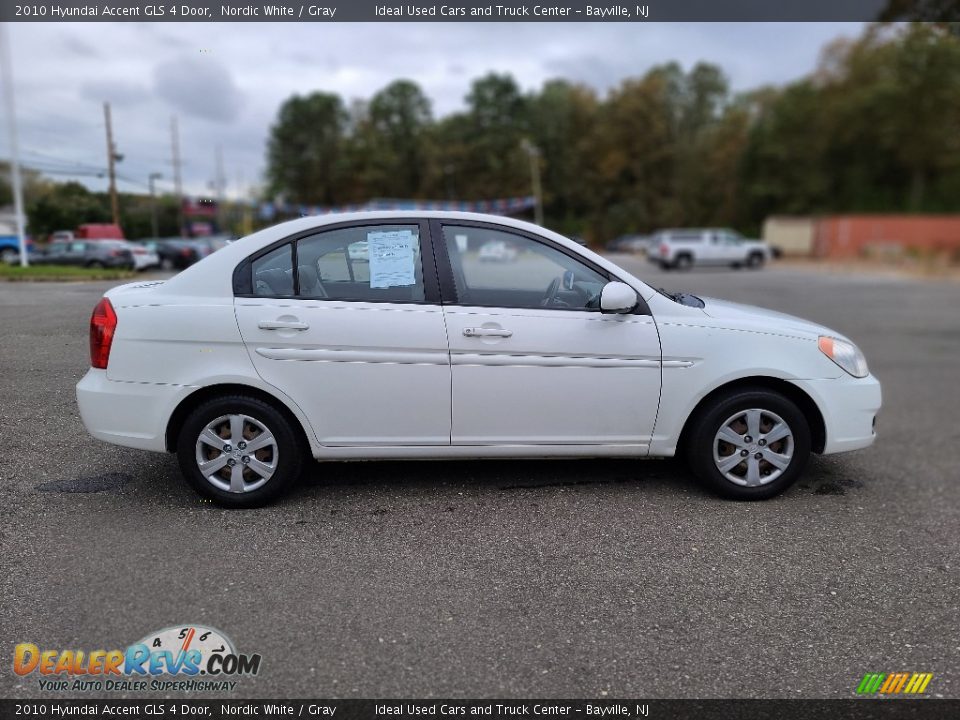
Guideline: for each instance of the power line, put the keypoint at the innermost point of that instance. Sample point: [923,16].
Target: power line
[64,161]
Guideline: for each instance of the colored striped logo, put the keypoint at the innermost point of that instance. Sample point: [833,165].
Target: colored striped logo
[894,683]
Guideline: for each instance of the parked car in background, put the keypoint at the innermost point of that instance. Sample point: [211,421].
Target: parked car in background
[280,346]
[144,258]
[212,243]
[497,251]
[176,253]
[98,231]
[684,248]
[629,244]
[10,242]
[359,251]
[88,253]
[61,236]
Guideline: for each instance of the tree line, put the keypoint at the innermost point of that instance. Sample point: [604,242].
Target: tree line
[875,128]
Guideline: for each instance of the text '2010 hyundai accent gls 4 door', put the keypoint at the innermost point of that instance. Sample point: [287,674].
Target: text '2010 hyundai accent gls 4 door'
[388,335]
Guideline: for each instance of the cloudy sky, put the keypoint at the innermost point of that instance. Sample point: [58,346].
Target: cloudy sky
[225,82]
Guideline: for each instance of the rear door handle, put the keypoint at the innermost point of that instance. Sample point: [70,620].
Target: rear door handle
[487,332]
[282,325]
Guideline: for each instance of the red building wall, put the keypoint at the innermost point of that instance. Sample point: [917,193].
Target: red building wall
[844,236]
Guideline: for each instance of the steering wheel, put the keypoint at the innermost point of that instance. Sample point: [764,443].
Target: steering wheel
[551,297]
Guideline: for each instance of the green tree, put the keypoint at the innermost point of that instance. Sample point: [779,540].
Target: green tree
[305,149]
[397,119]
[562,116]
[64,206]
[492,129]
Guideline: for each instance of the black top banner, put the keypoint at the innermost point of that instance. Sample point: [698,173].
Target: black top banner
[479,11]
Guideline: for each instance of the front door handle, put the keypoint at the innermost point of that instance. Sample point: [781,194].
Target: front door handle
[487,332]
[282,325]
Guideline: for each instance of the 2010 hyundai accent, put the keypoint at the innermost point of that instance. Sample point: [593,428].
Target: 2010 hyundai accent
[384,335]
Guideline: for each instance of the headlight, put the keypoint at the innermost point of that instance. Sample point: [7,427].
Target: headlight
[844,354]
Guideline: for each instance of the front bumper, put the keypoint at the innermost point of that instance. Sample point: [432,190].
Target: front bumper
[849,406]
[128,413]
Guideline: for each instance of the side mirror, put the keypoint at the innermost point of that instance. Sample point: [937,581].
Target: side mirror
[617,297]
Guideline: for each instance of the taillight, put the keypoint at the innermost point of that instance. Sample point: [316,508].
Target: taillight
[103,323]
[664,250]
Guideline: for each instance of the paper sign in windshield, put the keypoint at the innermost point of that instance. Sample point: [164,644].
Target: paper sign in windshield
[391,258]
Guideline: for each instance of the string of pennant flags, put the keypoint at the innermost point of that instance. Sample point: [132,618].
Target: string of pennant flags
[500,206]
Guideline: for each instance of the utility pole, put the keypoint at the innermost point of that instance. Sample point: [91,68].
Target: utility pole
[153,203]
[6,66]
[534,154]
[112,156]
[221,182]
[177,184]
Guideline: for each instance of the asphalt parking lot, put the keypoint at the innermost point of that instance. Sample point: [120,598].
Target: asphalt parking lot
[506,579]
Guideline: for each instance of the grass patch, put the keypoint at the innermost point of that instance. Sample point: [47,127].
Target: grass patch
[39,273]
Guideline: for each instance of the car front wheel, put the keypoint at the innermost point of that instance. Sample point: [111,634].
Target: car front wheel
[749,445]
[239,451]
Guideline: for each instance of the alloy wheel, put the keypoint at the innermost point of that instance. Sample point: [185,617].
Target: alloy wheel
[237,453]
[753,447]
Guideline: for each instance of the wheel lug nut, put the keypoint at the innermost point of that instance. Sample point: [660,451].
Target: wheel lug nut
[744,453]
[231,462]
[241,445]
[227,448]
[762,443]
[748,439]
[759,456]
[245,459]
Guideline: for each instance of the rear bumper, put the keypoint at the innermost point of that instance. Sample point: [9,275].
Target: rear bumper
[849,406]
[126,413]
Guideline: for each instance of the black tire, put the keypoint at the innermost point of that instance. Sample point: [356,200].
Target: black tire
[699,443]
[95,265]
[166,264]
[683,262]
[755,261]
[289,451]
[9,256]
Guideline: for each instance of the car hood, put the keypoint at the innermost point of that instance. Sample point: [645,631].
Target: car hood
[750,317]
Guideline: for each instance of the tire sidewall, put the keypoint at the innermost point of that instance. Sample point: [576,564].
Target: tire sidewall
[700,446]
[288,448]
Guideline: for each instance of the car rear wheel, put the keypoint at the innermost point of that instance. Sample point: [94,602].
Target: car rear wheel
[749,445]
[755,261]
[239,451]
[95,265]
[9,255]
[683,262]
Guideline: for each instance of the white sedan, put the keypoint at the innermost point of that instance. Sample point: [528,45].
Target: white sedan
[283,343]
[144,258]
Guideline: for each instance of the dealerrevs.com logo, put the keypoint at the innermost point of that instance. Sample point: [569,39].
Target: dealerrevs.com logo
[182,658]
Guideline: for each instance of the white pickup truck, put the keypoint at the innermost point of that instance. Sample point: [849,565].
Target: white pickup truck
[684,248]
